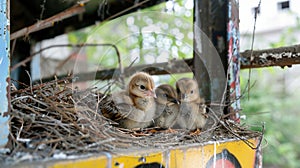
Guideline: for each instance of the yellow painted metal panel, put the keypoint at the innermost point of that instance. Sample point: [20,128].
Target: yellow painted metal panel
[235,150]
[200,156]
[136,160]
[229,154]
[99,162]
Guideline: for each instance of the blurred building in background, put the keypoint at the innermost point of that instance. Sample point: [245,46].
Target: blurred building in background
[277,23]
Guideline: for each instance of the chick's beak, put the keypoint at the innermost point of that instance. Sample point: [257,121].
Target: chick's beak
[150,93]
[173,100]
[183,96]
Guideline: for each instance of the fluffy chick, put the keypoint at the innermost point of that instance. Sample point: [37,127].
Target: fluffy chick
[136,104]
[191,114]
[167,106]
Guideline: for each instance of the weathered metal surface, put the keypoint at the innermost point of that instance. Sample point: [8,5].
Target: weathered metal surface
[4,64]
[282,56]
[233,38]
[42,24]
[230,153]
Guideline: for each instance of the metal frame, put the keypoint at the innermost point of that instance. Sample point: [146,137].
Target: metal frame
[4,75]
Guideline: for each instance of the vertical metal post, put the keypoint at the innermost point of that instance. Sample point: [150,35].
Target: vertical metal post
[4,75]
[218,20]
[200,70]
[233,38]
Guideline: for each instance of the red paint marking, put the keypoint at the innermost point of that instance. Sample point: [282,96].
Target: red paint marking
[223,163]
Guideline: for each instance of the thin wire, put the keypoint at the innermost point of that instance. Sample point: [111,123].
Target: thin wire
[252,44]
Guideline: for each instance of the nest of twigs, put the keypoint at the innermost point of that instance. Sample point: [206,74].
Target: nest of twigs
[50,118]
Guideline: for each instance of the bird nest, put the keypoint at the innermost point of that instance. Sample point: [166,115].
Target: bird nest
[50,118]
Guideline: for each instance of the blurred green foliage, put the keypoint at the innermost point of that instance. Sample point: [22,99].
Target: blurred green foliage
[271,103]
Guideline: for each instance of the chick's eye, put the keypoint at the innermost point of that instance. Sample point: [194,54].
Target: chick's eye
[164,95]
[192,91]
[142,87]
[177,89]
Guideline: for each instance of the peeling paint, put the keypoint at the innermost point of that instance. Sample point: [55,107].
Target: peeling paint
[271,59]
[4,64]
[282,56]
[279,55]
[233,38]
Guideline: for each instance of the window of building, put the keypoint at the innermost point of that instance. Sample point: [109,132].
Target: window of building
[284,5]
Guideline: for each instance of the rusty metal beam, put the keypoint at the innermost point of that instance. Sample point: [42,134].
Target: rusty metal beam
[40,25]
[282,56]
[171,67]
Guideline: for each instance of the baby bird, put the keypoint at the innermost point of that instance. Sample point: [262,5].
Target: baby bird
[167,106]
[192,110]
[136,104]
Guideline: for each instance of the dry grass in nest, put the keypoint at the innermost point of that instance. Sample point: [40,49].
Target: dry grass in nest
[49,118]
